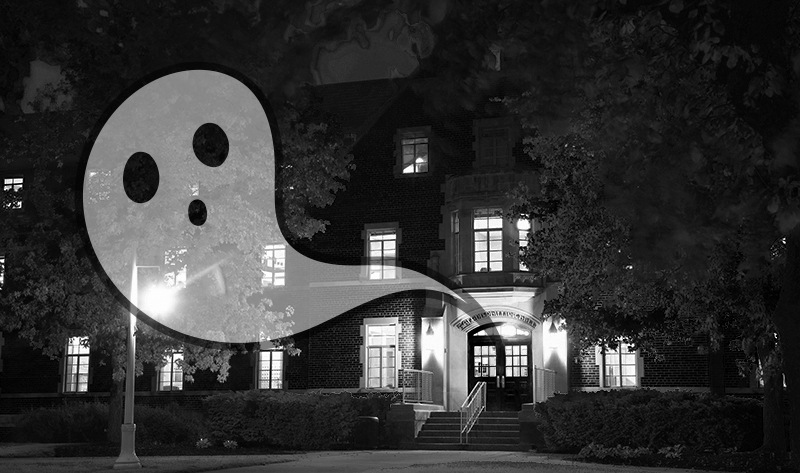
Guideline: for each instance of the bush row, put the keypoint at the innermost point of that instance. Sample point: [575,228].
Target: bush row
[87,422]
[307,421]
[650,419]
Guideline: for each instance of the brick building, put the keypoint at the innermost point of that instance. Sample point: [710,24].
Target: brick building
[428,195]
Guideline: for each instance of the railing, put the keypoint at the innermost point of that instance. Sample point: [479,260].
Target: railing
[544,384]
[417,385]
[471,409]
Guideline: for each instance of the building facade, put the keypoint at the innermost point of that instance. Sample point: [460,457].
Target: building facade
[426,194]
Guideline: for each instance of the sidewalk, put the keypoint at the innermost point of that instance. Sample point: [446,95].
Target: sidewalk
[24,458]
[39,457]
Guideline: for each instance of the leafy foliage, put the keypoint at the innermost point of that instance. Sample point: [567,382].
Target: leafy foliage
[309,421]
[86,422]
[650,419]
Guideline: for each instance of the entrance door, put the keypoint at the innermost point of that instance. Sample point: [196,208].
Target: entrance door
[500,356]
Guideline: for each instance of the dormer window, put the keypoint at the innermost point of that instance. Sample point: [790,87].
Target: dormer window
[494,138]
[413,152]
[493,146]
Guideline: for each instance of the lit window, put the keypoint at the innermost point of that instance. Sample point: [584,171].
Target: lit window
[170,375]
[274,262]
[484,360]
[76,378]
[381,347]
[488,227]
[175,267]
[493,146]
[415,153]
[523,228]
[2,270]
[382,248]
[13,185]
[270,369]
[620,367]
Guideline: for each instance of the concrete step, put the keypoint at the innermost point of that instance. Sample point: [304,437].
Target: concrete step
[497,420]
[471,447]
[505,414]
[493,431]
[479,426]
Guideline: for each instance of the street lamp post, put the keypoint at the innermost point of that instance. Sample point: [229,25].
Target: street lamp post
[127,456]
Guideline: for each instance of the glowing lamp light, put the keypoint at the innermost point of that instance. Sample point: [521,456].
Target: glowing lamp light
[159,300]
[507,330]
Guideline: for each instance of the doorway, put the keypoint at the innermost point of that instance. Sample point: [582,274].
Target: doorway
[500,356]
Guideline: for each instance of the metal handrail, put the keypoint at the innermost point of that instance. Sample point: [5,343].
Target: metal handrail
[421,384]
[472,407]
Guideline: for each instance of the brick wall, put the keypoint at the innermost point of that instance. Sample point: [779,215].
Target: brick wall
[679,365]
[331,351]
[583,371]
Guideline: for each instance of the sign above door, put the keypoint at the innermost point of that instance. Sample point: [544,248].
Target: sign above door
[467,322]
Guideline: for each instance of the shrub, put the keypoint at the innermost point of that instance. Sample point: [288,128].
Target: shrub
[203,443]
[78,422]
[170,425]
[87,422]
[230,444]
[596,451]
[649,419]
[307,421]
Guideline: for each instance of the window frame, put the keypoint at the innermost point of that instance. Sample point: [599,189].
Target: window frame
[83,358]
[3,266]
[412,133]
[522,241]
[172,364]
[489,230]
[373,229]
[601,353]
[272,283]
[259,365]
[457,257]
[479,127]
[14,187]
[395,350]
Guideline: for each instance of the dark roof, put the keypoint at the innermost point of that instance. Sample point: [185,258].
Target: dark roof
[359,104]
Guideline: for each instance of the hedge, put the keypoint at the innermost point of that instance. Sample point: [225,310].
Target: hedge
[304,421]
[650,419]
[87,422]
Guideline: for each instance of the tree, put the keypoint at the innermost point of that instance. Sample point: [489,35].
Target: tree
[54,292]
[680,116]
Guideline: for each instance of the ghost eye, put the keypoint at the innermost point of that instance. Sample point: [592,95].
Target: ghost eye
[210,145]
[140,177]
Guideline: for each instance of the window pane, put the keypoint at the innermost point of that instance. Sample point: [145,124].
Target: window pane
[629,381]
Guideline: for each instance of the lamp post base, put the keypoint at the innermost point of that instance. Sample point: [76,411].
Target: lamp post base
[127,455]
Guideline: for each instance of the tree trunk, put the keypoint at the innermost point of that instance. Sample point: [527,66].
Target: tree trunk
[774,436]
[787,321]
